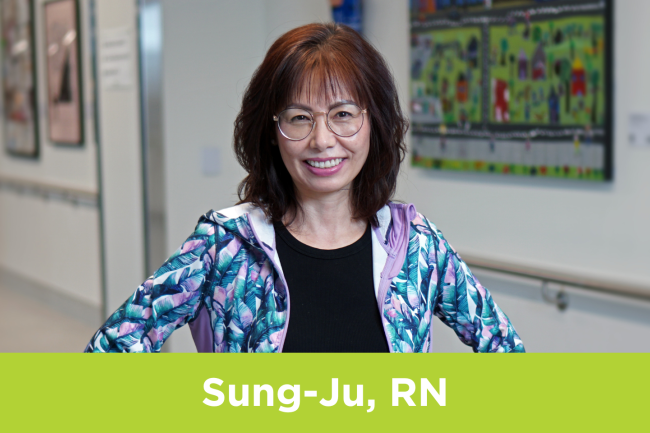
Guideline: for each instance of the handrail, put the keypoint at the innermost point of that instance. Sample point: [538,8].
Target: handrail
[627,289]
[51,190]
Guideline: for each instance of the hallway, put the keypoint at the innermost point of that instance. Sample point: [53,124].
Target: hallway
[28,325]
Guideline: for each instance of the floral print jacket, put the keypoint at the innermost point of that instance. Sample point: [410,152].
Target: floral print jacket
[226,281]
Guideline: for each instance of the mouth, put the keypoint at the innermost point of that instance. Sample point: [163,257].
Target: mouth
[327,163]
[324,166]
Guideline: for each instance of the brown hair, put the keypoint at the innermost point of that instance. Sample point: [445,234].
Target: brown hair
[331,58]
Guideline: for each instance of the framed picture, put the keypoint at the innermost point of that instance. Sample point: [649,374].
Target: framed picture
[521,87]
[20,122]
[62,47]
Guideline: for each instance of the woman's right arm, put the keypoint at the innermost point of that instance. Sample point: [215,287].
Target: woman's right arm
[166,301]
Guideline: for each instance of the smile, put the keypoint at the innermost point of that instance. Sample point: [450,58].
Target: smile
[325,164]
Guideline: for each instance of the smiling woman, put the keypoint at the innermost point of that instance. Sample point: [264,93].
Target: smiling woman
[321,135]
[309,71]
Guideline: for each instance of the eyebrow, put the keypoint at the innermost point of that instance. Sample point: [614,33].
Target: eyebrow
[334,104]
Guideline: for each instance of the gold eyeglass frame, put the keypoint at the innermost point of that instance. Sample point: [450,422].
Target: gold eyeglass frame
[327,121]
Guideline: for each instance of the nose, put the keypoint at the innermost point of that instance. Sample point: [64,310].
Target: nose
[321,137]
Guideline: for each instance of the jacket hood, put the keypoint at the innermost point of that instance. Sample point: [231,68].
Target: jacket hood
[238,220]
[390,238]
[249,222]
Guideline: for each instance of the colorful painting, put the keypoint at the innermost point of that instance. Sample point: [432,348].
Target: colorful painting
[512,87]
[445,76]
[431,6]
[18,78]
[553,70]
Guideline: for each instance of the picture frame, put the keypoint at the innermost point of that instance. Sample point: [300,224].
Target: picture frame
[19,80]
[63,67]
[520,88]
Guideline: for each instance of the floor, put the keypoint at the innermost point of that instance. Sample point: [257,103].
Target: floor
[28,326]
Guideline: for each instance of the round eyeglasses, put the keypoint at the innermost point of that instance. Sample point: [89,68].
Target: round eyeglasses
[344,120]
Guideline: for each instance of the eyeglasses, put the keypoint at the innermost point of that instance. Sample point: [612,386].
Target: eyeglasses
[344,120]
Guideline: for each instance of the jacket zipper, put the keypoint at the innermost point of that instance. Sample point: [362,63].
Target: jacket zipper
[286,288]
[279,271]
[384,283]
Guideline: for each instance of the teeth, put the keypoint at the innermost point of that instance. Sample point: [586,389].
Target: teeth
[325,164]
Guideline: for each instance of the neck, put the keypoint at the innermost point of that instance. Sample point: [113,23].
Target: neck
[325,221]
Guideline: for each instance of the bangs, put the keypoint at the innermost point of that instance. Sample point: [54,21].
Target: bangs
[320,78]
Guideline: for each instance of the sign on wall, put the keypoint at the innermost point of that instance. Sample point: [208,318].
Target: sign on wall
[518,88]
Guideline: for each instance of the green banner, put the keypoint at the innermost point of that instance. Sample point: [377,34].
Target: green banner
[324,392]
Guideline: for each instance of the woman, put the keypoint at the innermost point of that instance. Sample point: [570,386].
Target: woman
[320,134]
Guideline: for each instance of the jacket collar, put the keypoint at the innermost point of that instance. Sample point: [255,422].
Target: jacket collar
[247,220]
[389,240]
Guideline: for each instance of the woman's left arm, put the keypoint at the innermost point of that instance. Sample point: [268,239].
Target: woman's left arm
[464,305]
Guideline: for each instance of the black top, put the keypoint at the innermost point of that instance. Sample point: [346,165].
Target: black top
[333,303]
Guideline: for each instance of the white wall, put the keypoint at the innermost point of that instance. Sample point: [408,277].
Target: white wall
[53,243]
[281,16]
[121,160]
[210,50]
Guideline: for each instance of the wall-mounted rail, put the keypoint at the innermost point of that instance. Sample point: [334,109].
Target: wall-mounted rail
[50,191]
[626,289]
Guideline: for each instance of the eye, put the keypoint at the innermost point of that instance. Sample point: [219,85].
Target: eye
[344,113]
[294,116]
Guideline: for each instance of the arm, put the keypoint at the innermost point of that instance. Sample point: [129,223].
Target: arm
[165,301]
[463,304]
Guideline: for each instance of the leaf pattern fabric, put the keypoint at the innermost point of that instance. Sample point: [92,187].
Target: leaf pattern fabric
[220,268]
[224,269]
[434,281]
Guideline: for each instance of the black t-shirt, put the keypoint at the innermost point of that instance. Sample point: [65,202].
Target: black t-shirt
[333,302]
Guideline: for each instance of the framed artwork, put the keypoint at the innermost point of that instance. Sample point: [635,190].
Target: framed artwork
[64,96]
[513,87]
[20,120]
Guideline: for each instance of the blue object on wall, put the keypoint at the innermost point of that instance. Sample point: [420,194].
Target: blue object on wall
[348,12]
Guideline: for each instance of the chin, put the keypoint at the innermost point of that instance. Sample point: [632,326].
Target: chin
[326,187]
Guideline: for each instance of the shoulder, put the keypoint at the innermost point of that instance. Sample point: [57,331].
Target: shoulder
[232,212]
[246,221]
[425,227]
[230,216]
[424,224]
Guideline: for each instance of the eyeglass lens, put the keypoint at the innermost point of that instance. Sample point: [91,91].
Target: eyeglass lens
[344,120]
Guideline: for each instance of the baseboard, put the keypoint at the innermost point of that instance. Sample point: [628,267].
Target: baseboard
[65,304]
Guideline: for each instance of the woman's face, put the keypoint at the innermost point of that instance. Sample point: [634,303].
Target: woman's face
[343,157]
